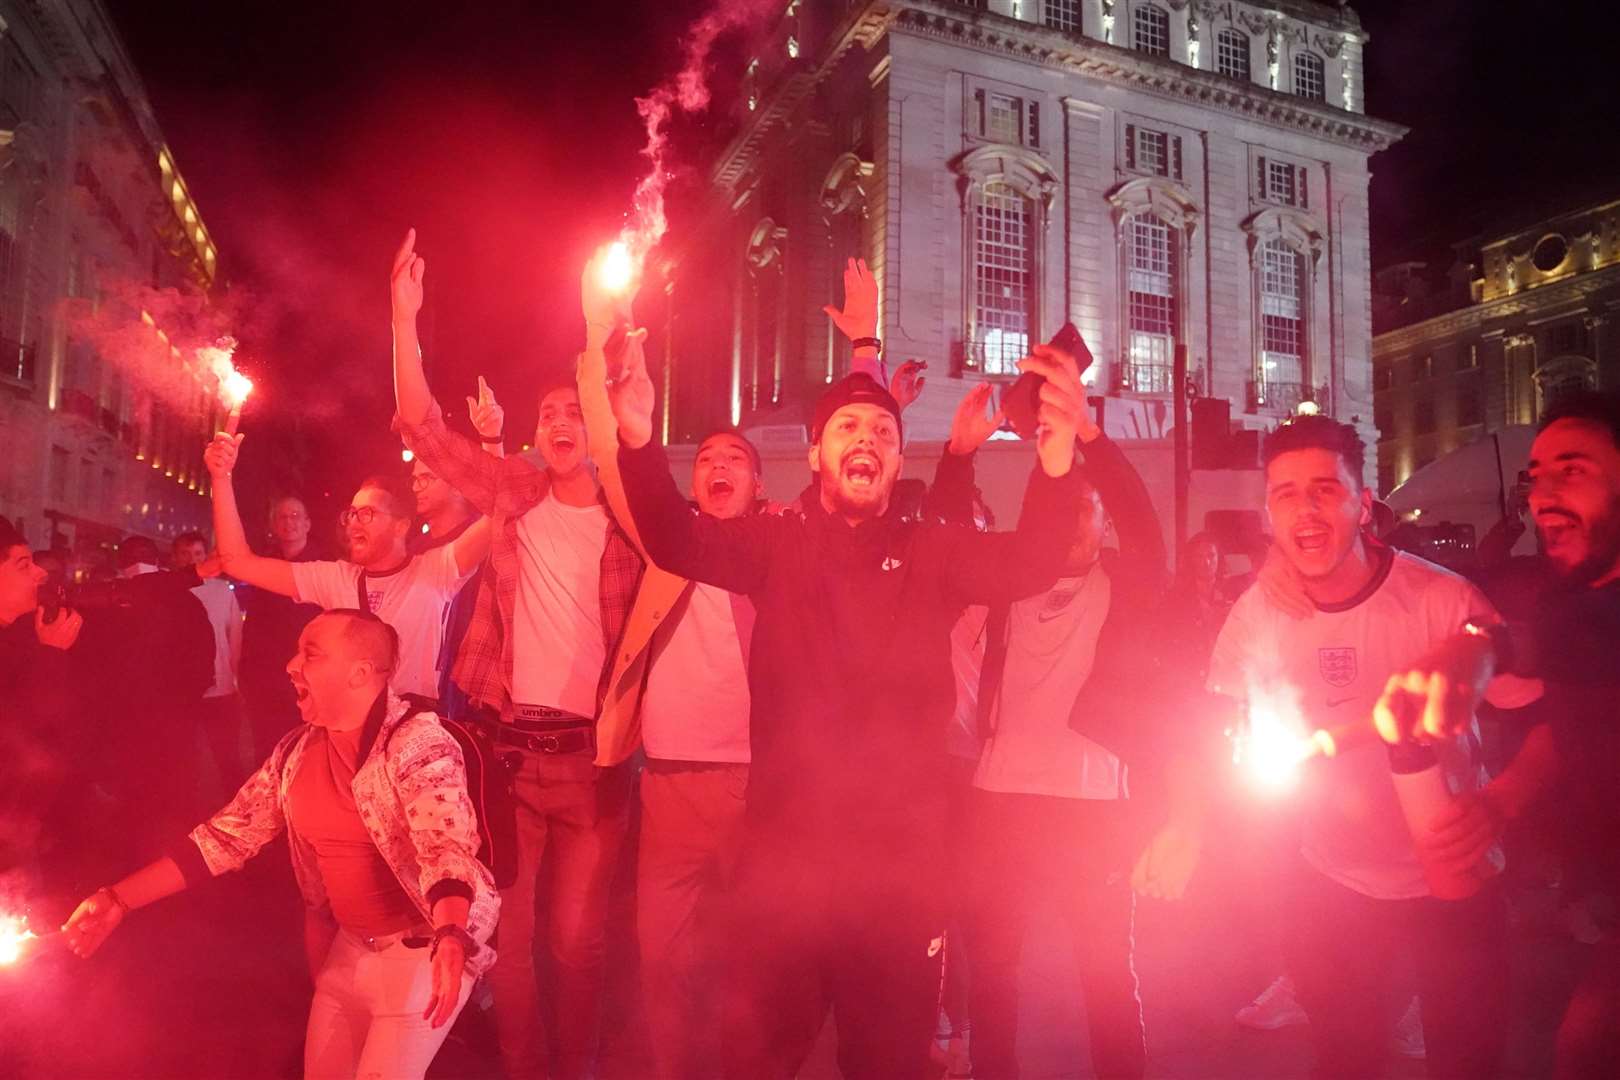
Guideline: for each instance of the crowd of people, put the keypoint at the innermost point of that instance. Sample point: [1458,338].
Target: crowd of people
[866,735]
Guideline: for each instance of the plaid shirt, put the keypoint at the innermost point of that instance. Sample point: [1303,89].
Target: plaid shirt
[505,489]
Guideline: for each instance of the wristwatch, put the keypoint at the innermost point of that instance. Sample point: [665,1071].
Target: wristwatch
[469,945]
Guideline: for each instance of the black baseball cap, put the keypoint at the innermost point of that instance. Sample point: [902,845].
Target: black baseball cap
[857,389]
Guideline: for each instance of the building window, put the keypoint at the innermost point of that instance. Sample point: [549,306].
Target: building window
[1150,303]
[1004,118]
[1062,15]
[1283,183]
[59,479]
[1423,416]
[1232,54]
[1151,30]
[1156,153]
[1384,377]
[1561,378]
[1310,81]
[1003,278]
[1470,361]
[1425,367]
[1470,404]
[1283,379]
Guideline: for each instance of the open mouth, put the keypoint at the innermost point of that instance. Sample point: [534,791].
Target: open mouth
[301,692]
[861,470]
[563,443]
[1312,539]
[721,486]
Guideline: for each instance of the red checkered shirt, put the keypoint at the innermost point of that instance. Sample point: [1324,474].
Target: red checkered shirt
[505,489]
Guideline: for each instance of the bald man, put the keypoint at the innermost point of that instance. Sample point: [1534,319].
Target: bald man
[372,793]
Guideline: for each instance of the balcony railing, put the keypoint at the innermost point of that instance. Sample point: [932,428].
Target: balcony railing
[1143,378]
[1283,396]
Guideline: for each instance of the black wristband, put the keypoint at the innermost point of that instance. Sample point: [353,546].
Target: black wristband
[469,944]
[493,440]
[112,894]
[867,343]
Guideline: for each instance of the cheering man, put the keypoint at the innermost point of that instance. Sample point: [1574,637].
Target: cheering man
[838,899]
[408,592]
[1376,611]
[372,794]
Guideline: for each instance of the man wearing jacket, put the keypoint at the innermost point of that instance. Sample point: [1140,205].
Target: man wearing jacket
[838,899]
[1050,816]
[371,793]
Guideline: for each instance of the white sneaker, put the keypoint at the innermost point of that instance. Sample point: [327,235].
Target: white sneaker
[1407,1040]
[1274,1008]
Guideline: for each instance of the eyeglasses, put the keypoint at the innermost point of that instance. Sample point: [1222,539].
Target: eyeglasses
[422,481]
[365,515]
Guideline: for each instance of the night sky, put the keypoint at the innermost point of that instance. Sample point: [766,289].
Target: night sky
[505,132]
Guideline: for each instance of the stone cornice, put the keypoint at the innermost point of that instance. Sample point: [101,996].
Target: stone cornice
[1559,293]
[1002,35]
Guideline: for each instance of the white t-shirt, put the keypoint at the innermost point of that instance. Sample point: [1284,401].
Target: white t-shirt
[557,629]
[1335,664]
[225,616]
[696,704]
[1051,645]
[413,600]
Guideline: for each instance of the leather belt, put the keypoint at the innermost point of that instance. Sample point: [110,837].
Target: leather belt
[570,741]
[411,939]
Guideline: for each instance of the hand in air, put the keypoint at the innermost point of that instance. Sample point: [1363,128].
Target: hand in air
[859,317]
[974,421]
[1061,413]
[487,416]
[1435,697]
[630,388]
[220,455]
[405,281]
[906,384]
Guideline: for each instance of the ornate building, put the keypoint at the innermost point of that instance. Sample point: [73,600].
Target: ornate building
[1517,320]
[1162,172]
[93,212]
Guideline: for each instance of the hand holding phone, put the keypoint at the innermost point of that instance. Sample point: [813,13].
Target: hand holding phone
[1021,401]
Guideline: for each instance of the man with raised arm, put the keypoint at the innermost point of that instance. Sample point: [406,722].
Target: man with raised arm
[838,901]
[408,592]
[550,612]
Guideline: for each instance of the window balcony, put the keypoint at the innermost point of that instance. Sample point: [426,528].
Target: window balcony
[1282,397]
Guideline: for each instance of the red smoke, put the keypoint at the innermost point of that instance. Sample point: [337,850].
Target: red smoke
[688,91]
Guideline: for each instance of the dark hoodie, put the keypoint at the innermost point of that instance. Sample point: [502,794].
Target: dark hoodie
[850,666]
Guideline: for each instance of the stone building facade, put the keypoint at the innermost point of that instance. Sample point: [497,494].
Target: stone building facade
[91,201]
[1160,172]
[1517,320]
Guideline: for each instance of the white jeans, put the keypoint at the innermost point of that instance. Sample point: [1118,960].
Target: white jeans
[365,1022]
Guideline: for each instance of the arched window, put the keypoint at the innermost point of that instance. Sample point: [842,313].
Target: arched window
[1284,376]
[1310,81]
[1003,276]
[1150,29]
[1062,15]
[1150,305]
[1232,55]
[1562,377]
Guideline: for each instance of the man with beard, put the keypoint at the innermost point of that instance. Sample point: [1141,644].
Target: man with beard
[1369,900]
[1572,645]
[549,614]
[839,900]
[380,576]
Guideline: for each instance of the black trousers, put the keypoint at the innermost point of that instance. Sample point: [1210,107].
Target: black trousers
[1589,1037]
[1074,853]
[1347,951]
[857,935]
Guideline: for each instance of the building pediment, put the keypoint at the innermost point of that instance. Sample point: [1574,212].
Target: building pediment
[1020,169]
[1164,199]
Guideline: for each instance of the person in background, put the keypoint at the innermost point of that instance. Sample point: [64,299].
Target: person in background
[271,628]
[371,791]
[219,715]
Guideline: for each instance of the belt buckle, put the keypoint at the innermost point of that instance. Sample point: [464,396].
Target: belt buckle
[546,744]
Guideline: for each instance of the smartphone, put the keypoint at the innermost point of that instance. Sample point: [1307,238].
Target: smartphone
[1021,401]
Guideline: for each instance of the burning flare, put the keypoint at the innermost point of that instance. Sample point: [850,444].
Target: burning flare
[234,387]
[1273,744]
[618,269]
[14,934]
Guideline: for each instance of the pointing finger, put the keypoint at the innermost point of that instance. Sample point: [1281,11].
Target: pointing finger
[405,248]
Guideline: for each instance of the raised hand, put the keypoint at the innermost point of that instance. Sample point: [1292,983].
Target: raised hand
[1436,696]
[906,384]
[604,309]
[630,388]
[487,416]
[971,426]
[220,455]
[405,281]
[859,317]
[1061,414]
[60,632]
